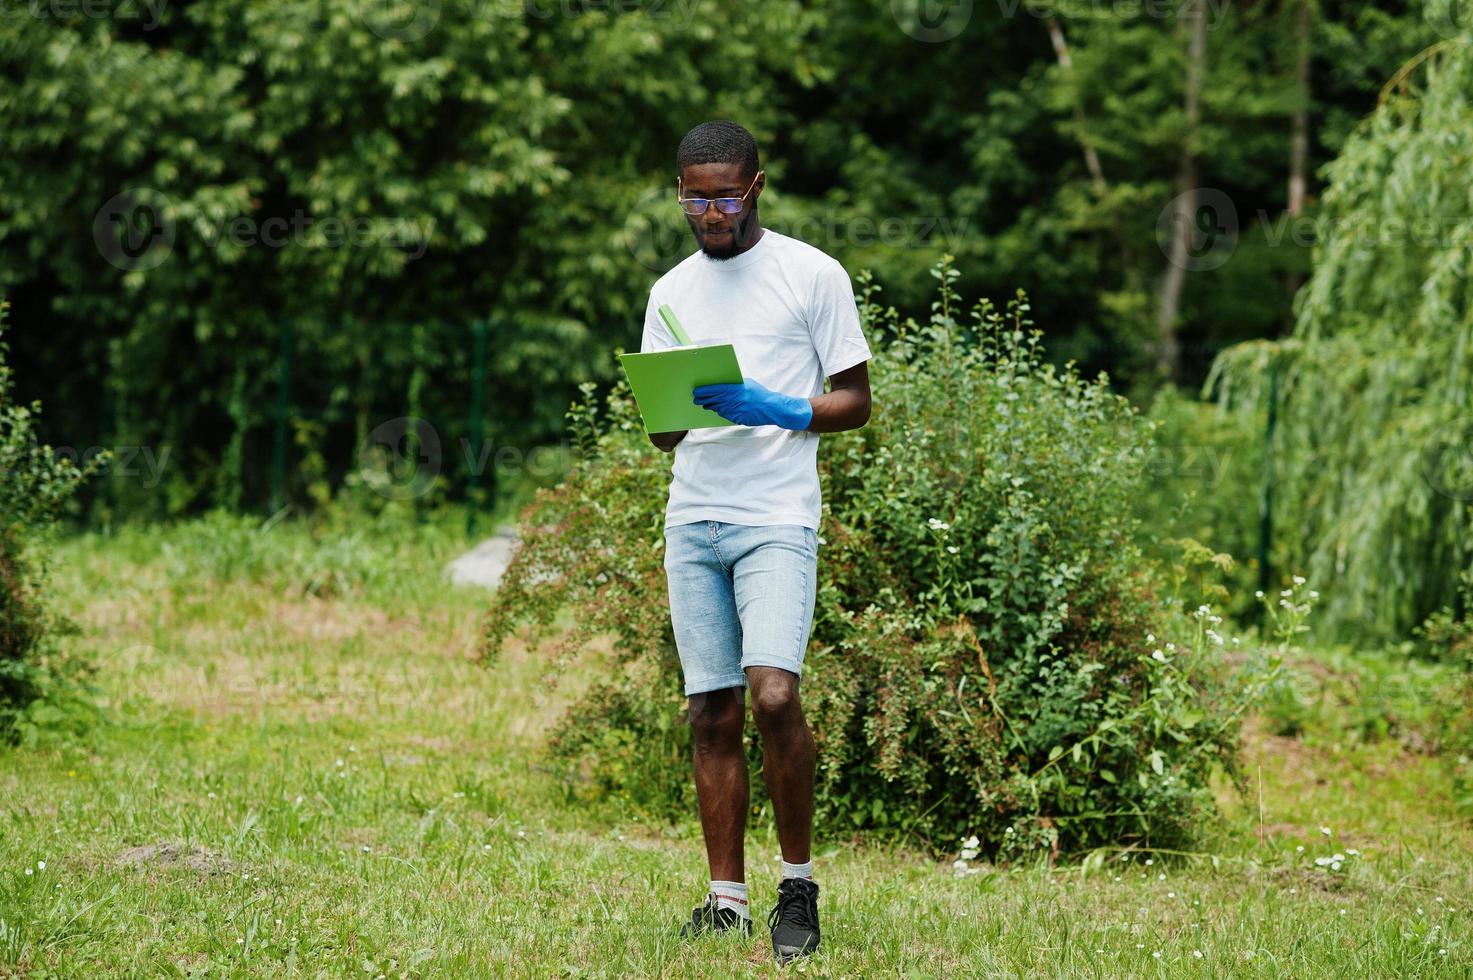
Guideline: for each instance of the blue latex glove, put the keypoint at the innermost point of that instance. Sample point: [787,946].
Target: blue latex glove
[751,404]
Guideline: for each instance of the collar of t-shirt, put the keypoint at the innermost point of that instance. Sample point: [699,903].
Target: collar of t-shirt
[742,260]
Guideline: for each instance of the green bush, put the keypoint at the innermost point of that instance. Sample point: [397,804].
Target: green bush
[990,655]
[36,674]
[1204,482]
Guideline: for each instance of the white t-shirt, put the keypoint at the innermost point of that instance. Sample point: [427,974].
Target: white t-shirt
[789,311]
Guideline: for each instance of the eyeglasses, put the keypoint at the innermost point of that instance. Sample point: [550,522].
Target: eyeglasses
[726,205]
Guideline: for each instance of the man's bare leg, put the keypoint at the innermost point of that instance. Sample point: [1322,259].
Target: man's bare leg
[788,755]
[716,722]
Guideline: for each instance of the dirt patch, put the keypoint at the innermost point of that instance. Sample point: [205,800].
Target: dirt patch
[1301,761]
[171,854]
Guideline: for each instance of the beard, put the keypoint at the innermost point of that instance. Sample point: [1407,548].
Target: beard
[741,237]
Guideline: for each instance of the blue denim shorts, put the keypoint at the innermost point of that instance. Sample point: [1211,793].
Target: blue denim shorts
[740,596]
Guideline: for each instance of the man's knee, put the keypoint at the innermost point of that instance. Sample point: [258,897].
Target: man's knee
[716,718]
[774,696]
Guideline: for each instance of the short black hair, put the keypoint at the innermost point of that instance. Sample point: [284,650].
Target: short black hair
[718,141]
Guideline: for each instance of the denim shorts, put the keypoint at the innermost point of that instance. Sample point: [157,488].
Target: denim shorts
[740,596]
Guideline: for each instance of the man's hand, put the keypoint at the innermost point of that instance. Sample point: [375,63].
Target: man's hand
[749,403]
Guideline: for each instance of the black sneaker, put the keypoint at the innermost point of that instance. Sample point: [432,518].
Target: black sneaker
[794,921]
[710,918]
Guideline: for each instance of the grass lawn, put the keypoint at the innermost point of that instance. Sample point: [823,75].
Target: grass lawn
[326,785]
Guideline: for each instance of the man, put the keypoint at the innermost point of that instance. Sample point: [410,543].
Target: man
[741,525]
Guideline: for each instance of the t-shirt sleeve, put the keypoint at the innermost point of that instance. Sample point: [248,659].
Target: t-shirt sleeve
[833,321]
[656,336]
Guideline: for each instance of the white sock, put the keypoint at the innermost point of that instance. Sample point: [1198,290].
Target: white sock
[731,895]
[804,870]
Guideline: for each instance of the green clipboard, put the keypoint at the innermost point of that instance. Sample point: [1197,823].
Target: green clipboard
[663,380]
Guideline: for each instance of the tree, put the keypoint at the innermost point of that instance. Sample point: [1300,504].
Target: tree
[1374,444]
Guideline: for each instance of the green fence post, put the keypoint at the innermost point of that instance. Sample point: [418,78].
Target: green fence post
[283,402]
[473,456]
[1266,504]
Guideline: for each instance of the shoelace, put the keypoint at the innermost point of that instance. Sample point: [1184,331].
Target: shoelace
[796,905]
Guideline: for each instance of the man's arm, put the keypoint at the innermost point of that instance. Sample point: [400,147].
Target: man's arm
[666,441]
[845,406]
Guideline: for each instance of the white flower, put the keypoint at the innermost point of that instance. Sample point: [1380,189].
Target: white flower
[1159,656]
[1326,831]
[959,864]
[937,525]
[338,763]
[1313,594]
[1156,955]
[1160,877]
[952,549]
[971,841]
[1171,648]
[42,866]
[1150,861]
[30,871]
[1299,580]
[1299,849]
[1197,953]
[1258,594]
[1286,593]
[1150,637]
[1335,866]
[1170,894]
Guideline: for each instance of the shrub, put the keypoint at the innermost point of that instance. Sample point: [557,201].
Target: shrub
[35,673]
[1204,482]
[989,652]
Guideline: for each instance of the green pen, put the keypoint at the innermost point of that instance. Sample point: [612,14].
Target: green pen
[668,315]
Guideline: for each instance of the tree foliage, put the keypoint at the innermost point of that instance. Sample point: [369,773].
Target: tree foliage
[1373,454]
[512,162]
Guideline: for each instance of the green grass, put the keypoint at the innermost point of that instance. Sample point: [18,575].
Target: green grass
[347,794]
